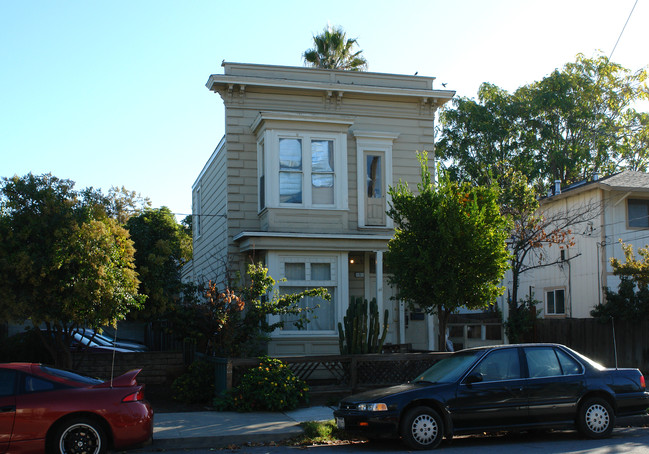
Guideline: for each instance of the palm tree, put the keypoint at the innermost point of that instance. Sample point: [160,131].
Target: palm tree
[333,50]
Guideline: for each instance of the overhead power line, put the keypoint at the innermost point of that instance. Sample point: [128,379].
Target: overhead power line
[622,32]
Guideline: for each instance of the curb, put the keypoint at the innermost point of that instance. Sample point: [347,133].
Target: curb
[221,441]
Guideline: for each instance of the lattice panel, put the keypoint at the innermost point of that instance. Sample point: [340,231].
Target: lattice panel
[391,372]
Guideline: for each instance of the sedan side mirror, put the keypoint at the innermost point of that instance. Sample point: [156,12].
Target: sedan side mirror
[473,378]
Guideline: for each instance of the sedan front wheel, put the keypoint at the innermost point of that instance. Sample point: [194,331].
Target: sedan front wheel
[422,428]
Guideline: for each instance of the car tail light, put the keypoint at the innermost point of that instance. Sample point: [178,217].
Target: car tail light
[643,384]
[134,397]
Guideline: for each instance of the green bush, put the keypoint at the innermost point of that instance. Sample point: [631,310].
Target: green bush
[271,386]
[196,385]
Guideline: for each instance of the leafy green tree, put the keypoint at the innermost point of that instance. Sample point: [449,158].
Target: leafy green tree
[162,247]
[122,204]
[576,121]
[448,249]
[333,50]
[631,301]
[63,262]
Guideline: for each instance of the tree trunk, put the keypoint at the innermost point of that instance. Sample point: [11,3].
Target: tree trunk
[442,316]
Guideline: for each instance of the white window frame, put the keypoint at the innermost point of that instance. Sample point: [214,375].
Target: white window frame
[268,152]
[629,200]
[565,301]
[339,269]
[197,212]
[368,141]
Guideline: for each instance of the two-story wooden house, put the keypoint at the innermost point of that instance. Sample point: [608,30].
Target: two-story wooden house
[619,210]
[300,182]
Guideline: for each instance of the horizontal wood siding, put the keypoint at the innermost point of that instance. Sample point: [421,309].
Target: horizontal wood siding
[210,248]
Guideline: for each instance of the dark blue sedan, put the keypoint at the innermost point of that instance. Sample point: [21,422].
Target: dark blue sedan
[506,387]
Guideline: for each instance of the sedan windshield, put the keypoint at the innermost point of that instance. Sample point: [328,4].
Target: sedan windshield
[450,368]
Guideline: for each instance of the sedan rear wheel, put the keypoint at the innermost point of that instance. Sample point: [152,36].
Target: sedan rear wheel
[80,436]
[422,428]
[596,418]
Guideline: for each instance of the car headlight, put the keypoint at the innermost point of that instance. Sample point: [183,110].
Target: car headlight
[372,407]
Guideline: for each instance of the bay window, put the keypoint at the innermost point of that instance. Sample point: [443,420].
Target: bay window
[302,170]
[302,273]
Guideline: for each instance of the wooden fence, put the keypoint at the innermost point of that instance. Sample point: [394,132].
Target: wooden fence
[335,373]
[595,340]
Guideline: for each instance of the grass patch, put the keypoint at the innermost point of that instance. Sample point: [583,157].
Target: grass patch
[322,433]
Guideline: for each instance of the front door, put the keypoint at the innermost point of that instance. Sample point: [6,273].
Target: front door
[374,188]
[7,406]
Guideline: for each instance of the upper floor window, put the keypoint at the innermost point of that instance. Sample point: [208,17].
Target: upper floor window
[638,213]
[302,170]
[374,176]
[197,212]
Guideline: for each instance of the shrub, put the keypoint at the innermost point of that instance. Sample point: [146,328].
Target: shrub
[196,385]
[271,386]
[519,326]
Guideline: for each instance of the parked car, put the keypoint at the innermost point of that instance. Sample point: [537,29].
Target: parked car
[506,387]
[44,409]
[86,336]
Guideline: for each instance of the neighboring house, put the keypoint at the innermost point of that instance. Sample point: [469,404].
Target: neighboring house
[300,181]
[573,286]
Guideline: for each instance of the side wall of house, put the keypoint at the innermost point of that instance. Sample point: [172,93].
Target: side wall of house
[209,206]
[617,228]
[577,275]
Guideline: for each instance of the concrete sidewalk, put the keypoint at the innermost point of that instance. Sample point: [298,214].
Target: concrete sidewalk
[212,429]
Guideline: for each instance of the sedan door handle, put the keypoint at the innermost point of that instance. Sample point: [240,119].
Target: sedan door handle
[7,409]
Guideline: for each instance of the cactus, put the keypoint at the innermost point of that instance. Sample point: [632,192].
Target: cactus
[358,334]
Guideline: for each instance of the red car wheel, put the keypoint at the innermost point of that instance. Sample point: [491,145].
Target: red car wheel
[80,435]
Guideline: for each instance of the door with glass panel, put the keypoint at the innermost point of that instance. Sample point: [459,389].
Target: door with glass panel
[374,163]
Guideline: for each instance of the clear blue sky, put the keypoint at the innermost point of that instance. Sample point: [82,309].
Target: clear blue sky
[112,93]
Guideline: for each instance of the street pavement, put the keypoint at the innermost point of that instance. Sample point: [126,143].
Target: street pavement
[215,429]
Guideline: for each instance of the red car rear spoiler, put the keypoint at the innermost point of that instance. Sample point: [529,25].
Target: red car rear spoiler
[125,380]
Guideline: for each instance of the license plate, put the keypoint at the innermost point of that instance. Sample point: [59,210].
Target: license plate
[340,422]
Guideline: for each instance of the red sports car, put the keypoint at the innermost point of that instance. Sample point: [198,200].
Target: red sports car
[43,409]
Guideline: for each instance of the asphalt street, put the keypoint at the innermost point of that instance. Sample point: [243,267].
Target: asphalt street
[633,440]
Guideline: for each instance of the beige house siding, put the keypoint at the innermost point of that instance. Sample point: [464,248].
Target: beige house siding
[210,244]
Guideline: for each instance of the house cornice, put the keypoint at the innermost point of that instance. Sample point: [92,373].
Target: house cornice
[240,77]
[289,241]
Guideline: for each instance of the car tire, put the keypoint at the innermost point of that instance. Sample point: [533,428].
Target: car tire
[422,428]
[596,418]
[79,435]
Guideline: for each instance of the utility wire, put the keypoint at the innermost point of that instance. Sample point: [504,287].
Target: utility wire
[623,28]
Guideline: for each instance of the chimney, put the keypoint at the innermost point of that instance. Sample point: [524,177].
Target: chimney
[557,187]
[595,176]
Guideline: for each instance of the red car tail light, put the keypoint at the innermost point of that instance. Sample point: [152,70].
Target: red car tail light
[643,384]
[134,397]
